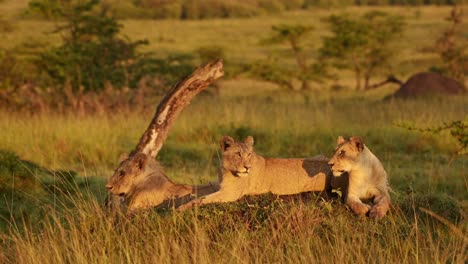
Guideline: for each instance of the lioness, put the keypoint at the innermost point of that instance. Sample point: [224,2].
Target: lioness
[366,175]
[243,172]
[143,184]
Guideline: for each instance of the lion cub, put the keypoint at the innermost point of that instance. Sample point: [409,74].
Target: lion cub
[367,177]
[243,172]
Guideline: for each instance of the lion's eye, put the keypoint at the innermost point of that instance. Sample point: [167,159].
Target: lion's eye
[122,173]
[238,154]
[342,153]
[250,153]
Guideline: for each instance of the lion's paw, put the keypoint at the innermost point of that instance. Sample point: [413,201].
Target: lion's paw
[378,212]
[360,208]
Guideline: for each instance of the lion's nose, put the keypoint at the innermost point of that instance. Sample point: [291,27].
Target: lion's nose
[247,167]
[109,187]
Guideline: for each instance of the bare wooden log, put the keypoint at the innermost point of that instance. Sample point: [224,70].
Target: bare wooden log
[173,103]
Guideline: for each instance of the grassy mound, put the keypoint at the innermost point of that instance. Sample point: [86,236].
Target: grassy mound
[28,191]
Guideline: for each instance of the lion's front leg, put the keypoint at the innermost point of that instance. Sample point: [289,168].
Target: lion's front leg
[357,206]
[137,207]
[217,197]
[381,206]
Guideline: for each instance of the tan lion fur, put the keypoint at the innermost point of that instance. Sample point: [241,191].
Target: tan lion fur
[243,172]
[143,183]
[365,174]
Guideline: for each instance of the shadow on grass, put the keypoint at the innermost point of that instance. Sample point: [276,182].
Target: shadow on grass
[28,191]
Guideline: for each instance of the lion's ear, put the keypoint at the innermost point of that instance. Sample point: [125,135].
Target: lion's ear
[140,160]
[340,140]
[249,140]
[226,142]
[123,157]
[357,141]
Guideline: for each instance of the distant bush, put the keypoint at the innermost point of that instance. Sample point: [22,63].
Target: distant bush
[161,9]
[328,3]
[125,9]
[208,53]
[293,4]
[5,25]
[198,9]
[8,61]
[92,52]
[452,47]
[273,6]
[9,72]
[206,9]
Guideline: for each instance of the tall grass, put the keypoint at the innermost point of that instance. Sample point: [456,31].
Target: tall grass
[95,142]
[292,233]
[75,229]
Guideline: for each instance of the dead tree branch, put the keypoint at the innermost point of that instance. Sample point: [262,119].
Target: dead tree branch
[390,79]
[173,103]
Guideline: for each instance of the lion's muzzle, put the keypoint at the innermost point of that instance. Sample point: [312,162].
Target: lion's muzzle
[337,172]
[114,191]
[243,173]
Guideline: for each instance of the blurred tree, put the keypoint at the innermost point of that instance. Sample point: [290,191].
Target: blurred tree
[292,35]
[293,4]
[5,25]
[269,70]
[452,47]
[92,52]
[8,61]
[362,44]
[209,53]
[161,9]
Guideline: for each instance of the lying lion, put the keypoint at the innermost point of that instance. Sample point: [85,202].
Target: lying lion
[243,172]
[143,184]
[366,177]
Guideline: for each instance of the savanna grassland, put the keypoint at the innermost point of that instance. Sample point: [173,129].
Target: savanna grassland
[74,227]
[57,164]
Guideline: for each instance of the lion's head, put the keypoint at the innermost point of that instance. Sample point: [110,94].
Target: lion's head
[237,156]
[128,174]
[346,155]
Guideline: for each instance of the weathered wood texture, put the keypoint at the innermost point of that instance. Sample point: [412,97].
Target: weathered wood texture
[173,103]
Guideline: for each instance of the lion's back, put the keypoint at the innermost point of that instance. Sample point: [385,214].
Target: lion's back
[290,176]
